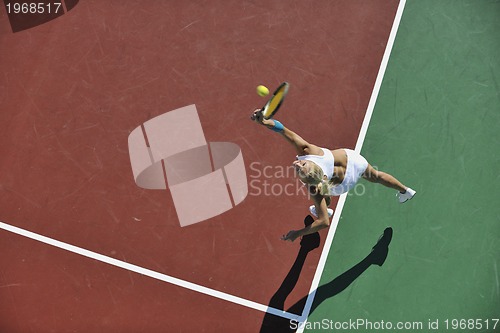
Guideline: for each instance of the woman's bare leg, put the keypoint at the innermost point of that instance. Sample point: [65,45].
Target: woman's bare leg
[383,178]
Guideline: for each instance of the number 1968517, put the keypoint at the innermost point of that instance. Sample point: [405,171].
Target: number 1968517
[33,8]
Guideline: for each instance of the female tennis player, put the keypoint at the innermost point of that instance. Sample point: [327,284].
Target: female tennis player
[328,173]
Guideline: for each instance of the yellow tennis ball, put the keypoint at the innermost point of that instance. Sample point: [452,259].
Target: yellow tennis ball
[262,91]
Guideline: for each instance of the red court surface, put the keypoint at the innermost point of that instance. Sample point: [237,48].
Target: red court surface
[72,90]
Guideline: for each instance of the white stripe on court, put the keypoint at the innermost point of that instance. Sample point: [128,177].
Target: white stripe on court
[359,145]
[148,272]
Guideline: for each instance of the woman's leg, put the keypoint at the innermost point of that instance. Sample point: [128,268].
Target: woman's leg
[383,178]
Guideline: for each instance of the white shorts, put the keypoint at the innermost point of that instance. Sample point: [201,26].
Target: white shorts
[356,166]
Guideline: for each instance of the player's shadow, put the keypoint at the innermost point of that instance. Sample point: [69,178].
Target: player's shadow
[275,324]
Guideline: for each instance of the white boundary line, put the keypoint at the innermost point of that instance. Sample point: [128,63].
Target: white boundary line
[148,272]
[359,145]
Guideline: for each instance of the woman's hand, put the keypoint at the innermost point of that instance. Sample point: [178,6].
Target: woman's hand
[290,236]
[259,118]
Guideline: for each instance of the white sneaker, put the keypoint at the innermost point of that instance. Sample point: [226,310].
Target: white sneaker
[404,197]
[312,209]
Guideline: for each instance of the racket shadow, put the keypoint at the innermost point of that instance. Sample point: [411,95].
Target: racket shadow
[275,324]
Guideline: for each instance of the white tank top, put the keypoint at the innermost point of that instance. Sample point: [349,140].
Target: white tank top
[325,162]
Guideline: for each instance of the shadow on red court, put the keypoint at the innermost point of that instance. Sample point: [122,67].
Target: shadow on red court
[275,324]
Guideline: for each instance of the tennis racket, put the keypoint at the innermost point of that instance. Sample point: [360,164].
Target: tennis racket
[274,103]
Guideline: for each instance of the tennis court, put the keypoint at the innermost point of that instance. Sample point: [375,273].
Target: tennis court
[436,122]
[85,249]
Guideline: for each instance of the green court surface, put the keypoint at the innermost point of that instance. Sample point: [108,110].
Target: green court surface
[435,127]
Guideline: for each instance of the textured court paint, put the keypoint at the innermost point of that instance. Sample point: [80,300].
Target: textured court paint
[435,127]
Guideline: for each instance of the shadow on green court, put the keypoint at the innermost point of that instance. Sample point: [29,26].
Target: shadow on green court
[275,324]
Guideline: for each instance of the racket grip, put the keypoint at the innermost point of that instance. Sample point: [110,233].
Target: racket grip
[255,114]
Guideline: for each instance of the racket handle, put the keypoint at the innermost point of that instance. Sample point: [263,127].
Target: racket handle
[256,113]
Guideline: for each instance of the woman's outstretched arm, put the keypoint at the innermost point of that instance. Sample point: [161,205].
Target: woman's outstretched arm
[301,146]
[322,222]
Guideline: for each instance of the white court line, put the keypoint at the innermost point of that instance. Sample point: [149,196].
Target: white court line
[148,272]
[359,145]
